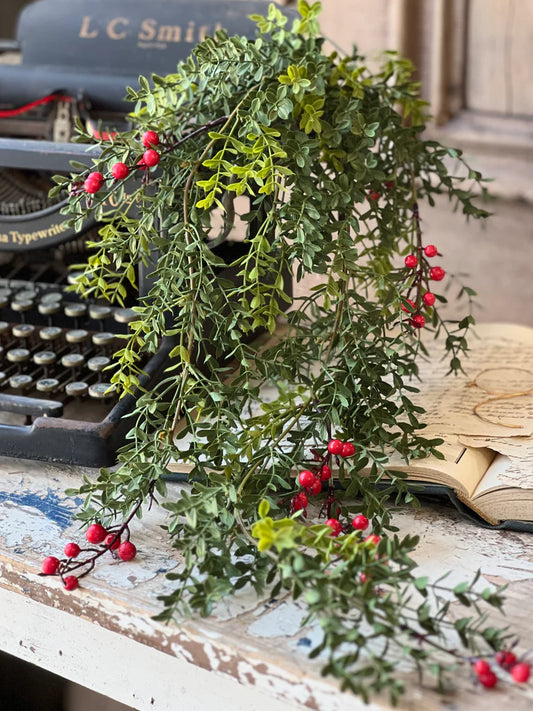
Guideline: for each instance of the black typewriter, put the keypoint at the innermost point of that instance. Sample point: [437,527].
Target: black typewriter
[76,59]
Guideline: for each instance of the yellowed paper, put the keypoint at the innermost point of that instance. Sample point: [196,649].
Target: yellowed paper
[495,398]
[518,453]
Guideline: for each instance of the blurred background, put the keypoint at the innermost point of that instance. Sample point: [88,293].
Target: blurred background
[474,59]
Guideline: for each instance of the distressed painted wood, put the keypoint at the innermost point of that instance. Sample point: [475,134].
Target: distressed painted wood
[251,654]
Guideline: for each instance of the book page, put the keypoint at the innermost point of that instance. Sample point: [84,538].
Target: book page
[494,398]
[463,467]
[519,455]
[493,478]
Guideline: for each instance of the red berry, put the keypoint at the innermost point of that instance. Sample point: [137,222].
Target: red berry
[315,488]
[96,533]
[411,261]
[150,138]
[120,171]
[299,501]
[112,541]
[488,679]
[93,182]
[348,450]
[389,184]
[506,659]
[335,525]
[306,478]
[520,672]
[70,582]
[372,538]
[428,298]
[126,551]
[72,550]
[363,578]
[96,177]
[151,157]
[360,522]
[325,473]
[481,666]
[141,164]
[430,250]
[411,304]
[437,273]
[50,565]
[335,446]
[418,321]
[373,195]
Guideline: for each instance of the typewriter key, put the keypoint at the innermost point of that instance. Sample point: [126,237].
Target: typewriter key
[125,315]
[48,309]
[18,355]
[72,360]
[76,389]
[74,277]
[44,358]
[75,310]
[51,297]
[23,330]
[101,391]
[98,363]
[100,312]
[4,327]
[103,339]
[4,300]
[77,335]
[22,305]
[20,382]
[50,333]
[25,295]
[47,385]
[3,377]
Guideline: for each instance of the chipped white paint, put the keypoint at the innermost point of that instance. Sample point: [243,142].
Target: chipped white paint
[448,543]
[250,655]
[26,525]
[283,621]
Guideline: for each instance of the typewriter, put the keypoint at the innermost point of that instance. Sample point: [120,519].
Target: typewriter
[76,58]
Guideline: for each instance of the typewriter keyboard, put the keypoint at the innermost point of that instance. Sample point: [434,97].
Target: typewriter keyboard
[55,353]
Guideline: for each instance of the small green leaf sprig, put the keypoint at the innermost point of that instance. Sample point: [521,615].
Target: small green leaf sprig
[331,161]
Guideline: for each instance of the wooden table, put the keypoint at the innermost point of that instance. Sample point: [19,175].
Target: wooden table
[251,654]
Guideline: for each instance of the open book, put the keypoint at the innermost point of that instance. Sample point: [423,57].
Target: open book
[485,417]
[486,420]
[477,480]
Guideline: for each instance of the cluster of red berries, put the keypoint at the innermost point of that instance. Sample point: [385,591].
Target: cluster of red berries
[312,481]
[519,671]
[95,534]
[428,298]
[150,158]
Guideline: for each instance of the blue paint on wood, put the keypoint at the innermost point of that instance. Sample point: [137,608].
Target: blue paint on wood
[57,509]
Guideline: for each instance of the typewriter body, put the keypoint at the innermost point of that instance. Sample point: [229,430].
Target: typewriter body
[76,58]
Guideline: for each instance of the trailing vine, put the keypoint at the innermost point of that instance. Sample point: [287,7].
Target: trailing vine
[332,161]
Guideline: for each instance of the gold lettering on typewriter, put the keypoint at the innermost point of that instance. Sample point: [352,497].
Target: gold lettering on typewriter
[25,238]
[151,31]
[84,30]
[189,36]
[112,28]
[169,33]
[148,30]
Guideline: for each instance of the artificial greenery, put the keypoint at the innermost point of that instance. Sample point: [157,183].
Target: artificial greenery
[332,159]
